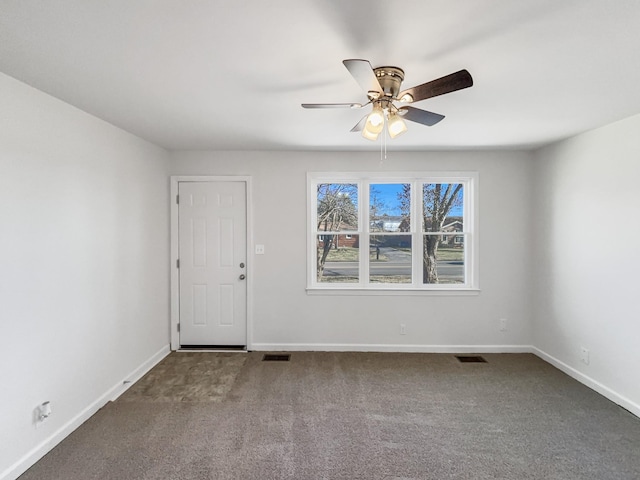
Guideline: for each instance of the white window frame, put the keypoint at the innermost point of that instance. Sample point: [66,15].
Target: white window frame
[363,180]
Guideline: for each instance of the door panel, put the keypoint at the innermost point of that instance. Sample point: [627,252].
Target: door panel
[212,247]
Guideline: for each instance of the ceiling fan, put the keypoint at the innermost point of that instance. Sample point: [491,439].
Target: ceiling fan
[382,86]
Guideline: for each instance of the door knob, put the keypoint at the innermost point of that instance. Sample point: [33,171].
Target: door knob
[242,277]
[242,265]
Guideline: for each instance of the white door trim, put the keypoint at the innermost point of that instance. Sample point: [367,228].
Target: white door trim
[175,278]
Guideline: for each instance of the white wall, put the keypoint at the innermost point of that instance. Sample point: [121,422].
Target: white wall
[285,316]
[84,265]
[587,218]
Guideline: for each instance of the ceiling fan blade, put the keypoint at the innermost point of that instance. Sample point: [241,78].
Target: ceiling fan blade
[363,73]
[360,125]
[440,86]
[420,116]
[332,105]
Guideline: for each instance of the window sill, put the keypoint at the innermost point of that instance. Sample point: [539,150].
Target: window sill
[393,291]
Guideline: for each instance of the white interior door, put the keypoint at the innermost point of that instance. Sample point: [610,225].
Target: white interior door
[212,247]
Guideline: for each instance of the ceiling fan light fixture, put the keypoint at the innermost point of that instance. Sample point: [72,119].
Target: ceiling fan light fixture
[369,135]
[396,125]
[375,120]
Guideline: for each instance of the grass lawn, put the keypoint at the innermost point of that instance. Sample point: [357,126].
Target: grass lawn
[450,254]
[349,254]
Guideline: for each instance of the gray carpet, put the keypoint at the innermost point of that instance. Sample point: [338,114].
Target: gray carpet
[360,416]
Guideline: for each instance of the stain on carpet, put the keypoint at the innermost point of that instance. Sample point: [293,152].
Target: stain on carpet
[188,377]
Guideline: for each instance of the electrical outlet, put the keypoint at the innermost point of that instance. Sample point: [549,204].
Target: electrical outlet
[403,329]
[503,324]
[259,249]
[584,355]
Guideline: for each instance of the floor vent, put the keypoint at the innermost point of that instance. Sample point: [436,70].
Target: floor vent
[470,359]
[270,357]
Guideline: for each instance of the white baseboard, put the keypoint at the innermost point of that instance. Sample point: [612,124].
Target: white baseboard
[22,465]
[355,347]
[603,390]
[139,372]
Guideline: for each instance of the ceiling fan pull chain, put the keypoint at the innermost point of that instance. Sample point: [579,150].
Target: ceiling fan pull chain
[385,143]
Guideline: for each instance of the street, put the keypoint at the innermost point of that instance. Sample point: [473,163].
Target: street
[451,271]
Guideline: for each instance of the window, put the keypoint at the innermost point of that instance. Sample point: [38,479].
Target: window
[397,232]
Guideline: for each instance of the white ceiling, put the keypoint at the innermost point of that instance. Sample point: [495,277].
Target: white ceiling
[231,74]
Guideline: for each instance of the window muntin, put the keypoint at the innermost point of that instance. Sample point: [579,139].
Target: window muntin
[408,231]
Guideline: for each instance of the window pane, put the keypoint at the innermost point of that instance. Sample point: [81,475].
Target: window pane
[389,207]
[390,259]
[443,260]
[443,207]
[337,207]
[337,258]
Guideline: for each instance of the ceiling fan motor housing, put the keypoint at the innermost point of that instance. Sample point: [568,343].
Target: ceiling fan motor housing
[390,79]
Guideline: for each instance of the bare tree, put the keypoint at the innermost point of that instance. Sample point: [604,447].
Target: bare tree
[376,207]
[437,200]
[336,210]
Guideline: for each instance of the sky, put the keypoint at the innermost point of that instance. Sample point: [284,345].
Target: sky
[387,194]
